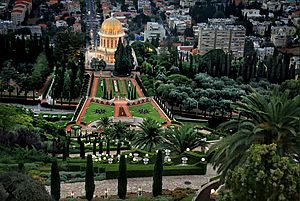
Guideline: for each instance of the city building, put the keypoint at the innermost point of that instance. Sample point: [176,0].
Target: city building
[187,3]
[279,39]
[153,31]
[19,10]
[110,33]
[229,38]
[251,13]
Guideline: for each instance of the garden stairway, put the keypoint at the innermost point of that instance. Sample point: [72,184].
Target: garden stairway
[118,111]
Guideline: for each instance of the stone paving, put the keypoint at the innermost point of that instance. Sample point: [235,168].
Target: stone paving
[169,182]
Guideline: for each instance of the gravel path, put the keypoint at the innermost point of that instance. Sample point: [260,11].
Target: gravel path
[169,182]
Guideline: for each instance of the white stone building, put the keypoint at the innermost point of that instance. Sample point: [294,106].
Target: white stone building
[154,30]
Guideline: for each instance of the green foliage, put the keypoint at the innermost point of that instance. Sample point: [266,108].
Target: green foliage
[122,179]
[40,71]
[157,175]
[24,188]
[143,50]
[265,176]
[264,120]
[89,178]
[123,59]
[178,79]
[181,138]
[55,181]
[150,136]
[82,150]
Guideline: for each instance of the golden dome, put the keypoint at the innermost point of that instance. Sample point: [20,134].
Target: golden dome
[111,26]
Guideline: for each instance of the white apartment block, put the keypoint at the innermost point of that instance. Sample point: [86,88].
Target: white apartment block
[187,3]
[221,21]
[154,30]
[279,39]
[229,38]
[251,13]
[288,30]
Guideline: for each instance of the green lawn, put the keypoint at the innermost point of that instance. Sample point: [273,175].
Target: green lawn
[91,116]
[153,113]
[193,123]
[99,92]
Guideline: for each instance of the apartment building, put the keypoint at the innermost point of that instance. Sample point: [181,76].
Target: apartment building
[230,38]
[154,30]
[19,11]
[187,3]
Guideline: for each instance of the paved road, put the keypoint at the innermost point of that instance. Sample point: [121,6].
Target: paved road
[169,182]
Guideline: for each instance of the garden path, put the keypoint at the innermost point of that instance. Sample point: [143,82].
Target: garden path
[169,182]
[124,88]
[95,85]
[121,103]
[87,102]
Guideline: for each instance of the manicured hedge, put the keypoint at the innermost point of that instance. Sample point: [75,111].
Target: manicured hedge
[147,171]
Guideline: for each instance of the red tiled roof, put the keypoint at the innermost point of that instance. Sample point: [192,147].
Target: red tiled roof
[17,11]
[20,6]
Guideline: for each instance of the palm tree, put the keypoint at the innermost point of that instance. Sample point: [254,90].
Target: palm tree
[105,125]
[119,133]
[179,139]
[150,136]
[263,121]
[104,122]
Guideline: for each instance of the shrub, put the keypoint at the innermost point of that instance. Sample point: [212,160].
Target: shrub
[25,188]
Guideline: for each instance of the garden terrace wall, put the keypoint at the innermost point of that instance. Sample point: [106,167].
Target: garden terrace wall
[168,171]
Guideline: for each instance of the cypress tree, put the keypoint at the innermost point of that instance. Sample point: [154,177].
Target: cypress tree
[122,179]
[64,152]
[100,146]
[55,181]
[157,175]
[134,93]
[89,179]
[111,94]
[82,151]
[68,146]
[107,147]
[94,146]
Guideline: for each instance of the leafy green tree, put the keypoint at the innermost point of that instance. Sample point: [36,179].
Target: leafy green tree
[89,178]
[150,136]
[55,181]
[265,176]
[8,72]
[179,139]
[40,71]
[157,175]
[122,178]
[263,121]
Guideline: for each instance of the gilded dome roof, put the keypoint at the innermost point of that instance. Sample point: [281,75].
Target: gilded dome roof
[111,26]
